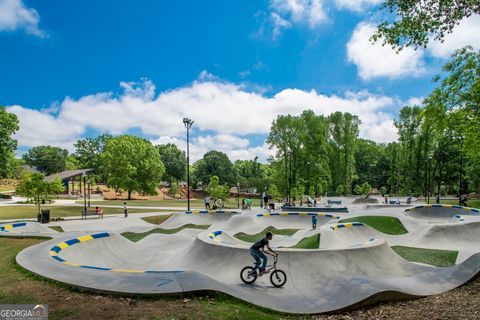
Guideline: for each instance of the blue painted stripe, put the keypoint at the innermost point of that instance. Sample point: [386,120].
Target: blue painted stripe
[71,242]
[100,235]
[57,249]
[58,258]
[95,268]
[274,214]
[457,207]
[19,224]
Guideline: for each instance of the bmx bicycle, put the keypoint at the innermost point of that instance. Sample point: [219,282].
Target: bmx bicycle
[277,277]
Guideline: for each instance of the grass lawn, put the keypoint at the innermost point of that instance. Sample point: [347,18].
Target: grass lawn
[438,258]
[312,242]
[21,287]
[157,219]
[6,188]
[139,236]
[255,237]
[471,203]
[30,211]
[57,228]
[194,204]
[388,225]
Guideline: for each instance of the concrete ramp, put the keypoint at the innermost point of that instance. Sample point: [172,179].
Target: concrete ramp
[25,228]
[318,280]
[346,235]
[440,212]
[179,219]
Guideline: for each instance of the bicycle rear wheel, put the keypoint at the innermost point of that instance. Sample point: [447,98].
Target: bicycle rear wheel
[248,275]
[278,278]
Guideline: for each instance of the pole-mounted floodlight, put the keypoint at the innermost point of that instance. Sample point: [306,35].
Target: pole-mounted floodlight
[84,176]
[188,124]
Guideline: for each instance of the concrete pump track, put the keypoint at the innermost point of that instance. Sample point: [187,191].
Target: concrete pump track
[354,265]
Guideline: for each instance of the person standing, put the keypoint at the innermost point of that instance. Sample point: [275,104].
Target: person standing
[125,209]
[314,222]
[206,200]
[219,204]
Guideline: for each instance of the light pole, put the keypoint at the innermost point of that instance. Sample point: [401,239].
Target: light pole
[428,179]
[460,140]
[88,183]
[238,195]
[308,178]
[289,152]
[188,124]
[84,176]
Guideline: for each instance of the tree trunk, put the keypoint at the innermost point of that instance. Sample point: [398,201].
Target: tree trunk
[129,195]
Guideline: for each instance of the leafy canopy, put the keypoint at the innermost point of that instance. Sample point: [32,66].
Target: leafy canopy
[132,164]
[413,22]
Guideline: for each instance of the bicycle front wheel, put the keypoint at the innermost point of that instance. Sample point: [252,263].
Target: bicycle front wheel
[248,275]
[278,278]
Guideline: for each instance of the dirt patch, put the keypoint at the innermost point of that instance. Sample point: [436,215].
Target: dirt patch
[363,200]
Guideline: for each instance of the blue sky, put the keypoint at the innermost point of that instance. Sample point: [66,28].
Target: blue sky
[72,69]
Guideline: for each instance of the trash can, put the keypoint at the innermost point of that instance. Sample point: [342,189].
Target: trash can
[45,216]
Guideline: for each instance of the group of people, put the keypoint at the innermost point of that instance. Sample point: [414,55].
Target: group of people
[217,203]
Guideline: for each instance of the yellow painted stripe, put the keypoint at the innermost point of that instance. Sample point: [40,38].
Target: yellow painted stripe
[303,213]
[446,205]
[53,253]
[85,238]
[467,209]
[284,214]
[71,264]
[8,227]
[63,245]
[427,206]
[266,214]
[127,270]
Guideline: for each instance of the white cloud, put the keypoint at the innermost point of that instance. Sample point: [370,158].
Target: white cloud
[466,33]
[284,14]
[356,5]
[224,114]
[15,15]
[278,25]
[375,60]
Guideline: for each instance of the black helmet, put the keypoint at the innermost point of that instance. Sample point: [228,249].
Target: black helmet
[269,234]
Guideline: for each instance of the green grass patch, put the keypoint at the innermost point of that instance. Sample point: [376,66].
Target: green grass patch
[387,225]
[132,236]
[255,237]
[56,228]
[180,204]
[471,203]
[312,242]
[157,219]
[30,211]
[438,258]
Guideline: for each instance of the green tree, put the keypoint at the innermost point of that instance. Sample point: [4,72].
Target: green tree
[214,163]
[8,126]
[132,164]
[414,22]
[88,153]
[47,159]
[383,191]
[344,130]
[358,189]
[339,189]
[174,161]
[366,188]
[216,190]
[37,189]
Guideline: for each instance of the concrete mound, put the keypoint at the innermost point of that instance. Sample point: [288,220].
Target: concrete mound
[345,235]
[17,228]
[318,280]
[440,212]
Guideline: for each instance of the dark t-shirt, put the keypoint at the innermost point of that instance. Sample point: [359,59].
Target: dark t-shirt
[260,244]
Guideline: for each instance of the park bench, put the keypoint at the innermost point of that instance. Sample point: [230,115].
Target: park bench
[91,213]
[332,202]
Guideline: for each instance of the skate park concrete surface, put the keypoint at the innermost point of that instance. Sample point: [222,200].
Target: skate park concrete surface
[354,265]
